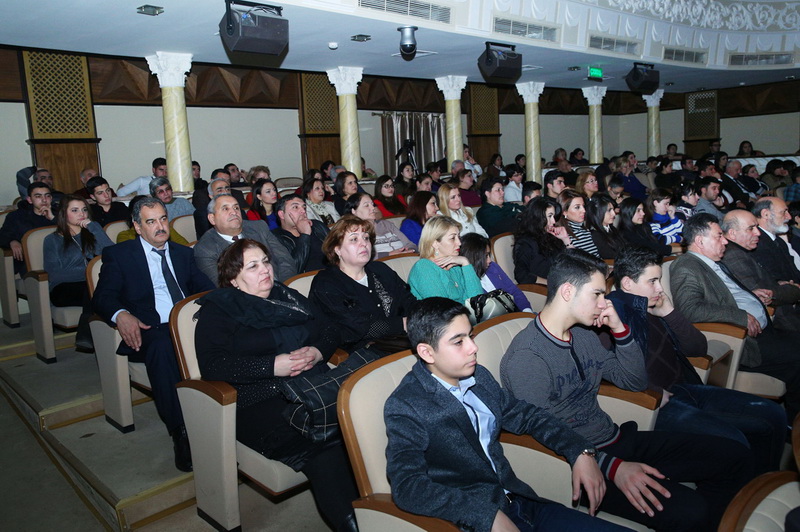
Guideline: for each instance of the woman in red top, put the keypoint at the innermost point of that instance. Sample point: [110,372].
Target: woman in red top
[265,196]
[466,184]
[389,203]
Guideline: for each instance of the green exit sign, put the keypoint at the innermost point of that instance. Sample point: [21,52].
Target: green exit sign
[595,73]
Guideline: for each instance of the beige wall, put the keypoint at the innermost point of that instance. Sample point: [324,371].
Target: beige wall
[14,152]
[772,134]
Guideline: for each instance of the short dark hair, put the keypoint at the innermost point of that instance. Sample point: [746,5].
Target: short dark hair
[429,318]
[529,187]
[308,186]
[794,210]
[487,185]
[219,171]
[195,163]
[280,205]
[631,261]
[227,167]
[518,157]
[551,176]
[231,261]
[473,248]
[150,202]
[616,182]
[159,161]
[353,202]
[697,225]
[706,181]
[573,266]
[38,184]
[96,181]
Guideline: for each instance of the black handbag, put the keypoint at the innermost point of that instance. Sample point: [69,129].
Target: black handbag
[489,305]
[313,398]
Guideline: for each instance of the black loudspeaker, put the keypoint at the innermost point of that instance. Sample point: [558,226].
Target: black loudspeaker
[256,33]
[500,65]
[642,79]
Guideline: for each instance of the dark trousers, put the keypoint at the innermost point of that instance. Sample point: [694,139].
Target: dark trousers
[780,358]
[75,294]
[758,423]
[530,516]
[158,356]
[332,484]
[718,466]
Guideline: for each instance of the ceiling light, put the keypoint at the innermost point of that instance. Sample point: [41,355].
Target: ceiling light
[574,68]
[789,78]
[669,84]
[147,9]
[360,37]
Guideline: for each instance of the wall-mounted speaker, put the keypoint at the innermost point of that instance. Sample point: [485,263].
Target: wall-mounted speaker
[257,33]
[500,65]
[642,79]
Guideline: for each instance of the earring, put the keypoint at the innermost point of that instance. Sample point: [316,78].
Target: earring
[436,253]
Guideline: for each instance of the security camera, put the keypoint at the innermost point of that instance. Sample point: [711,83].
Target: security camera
[408,42]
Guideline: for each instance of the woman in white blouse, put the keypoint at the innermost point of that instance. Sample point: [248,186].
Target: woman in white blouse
[450,205]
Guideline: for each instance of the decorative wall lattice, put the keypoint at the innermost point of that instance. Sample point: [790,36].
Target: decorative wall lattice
[483,116]
[701,120]
[59,98]
[320,106]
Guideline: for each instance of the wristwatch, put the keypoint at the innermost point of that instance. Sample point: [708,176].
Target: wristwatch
[591,451]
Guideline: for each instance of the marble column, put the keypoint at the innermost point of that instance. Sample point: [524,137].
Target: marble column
[171,69]
[346,80]
[452,86]
[530,92]
[594,95]
[653,122]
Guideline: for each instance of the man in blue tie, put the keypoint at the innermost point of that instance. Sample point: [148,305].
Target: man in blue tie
[140,281]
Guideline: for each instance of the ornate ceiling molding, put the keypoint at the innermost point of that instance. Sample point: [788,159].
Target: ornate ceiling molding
[713,14]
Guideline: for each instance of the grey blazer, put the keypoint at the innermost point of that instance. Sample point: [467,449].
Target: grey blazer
[435,462]
[702,297]
[211,245]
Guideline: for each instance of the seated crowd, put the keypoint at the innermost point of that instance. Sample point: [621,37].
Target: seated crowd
[737,257]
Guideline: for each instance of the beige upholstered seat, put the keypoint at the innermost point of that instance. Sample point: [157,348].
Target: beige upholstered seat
[401,263]
[113,229]
[762,505]
[11,285]
[184,225]
[396,220]
[116,372]
[503,253]
[360,406]
[536,294]
[302,282]
[209,410]
[288,184]
[37,287]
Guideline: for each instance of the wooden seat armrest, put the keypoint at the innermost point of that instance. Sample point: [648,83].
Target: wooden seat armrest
[771,310]
[339,356]
[7,253]
[38,275]
[383,503]
[649,399]
[535,288]
[722,328]
[219,391]
[705,361]
[527,441]
[745,502]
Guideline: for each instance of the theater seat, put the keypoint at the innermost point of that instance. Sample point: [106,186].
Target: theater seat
[401,263]
[209,411]
[762,505]
[184,226]
[302,282]
[116,372]
[37,287]
[503,252]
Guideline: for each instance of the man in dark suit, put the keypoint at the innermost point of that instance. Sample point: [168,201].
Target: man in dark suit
[705,290]
[139,283]
[201,197]
[226,218]
[443,422]
[772,251]
[742,233]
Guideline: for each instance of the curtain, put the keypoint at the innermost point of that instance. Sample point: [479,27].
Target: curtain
[426,129]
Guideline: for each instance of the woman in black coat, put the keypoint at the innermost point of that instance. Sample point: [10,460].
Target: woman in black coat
[537,240]
[634,228]
[254,333]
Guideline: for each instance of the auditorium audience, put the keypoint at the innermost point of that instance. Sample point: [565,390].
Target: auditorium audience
[494,168]
[513,189]
[587,183]
[495,215]
[631,183]
[366,300]
[466,184]
[708,198]
[635,229]
[553,184]
[301,236]
[573,219]
[104,209]
[255,333]
[404,182]
[389,240]
[470,163]
[689,198]
[318,208]
[664,222]
[388,202]
[600,215]
[130,232]
[40,213]
[161,188]
[440,270]
[746,150]
[141,185]
[576,158]
[666,177]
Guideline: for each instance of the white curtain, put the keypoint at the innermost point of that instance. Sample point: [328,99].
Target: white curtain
[426,129]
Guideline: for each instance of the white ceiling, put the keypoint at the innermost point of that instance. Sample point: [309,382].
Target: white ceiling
[113,27]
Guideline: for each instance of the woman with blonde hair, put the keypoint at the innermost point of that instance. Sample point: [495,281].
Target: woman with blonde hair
[450,204]
[441,271]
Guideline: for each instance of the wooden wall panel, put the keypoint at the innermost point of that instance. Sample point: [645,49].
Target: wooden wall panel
[759,99]
[399,94]
[10,79]
[65,160]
